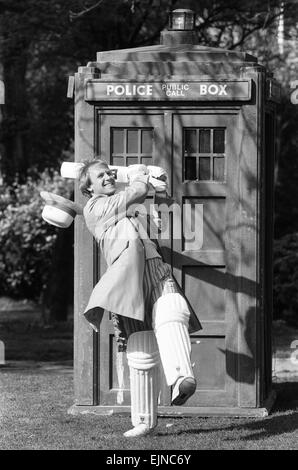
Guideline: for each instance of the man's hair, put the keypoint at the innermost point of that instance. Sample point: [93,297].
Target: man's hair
[84,176]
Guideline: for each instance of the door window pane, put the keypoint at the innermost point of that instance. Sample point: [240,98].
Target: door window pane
[205,141]
[204,168]
[218,141]
[202,147]
[190,168]
[118,140]
[147,141]
[146,160]
[118,161]
[132,141]
[131,146]
[132,161]
[219,169]
[190,141]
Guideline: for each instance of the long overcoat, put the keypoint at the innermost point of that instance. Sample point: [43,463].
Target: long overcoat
[120,288]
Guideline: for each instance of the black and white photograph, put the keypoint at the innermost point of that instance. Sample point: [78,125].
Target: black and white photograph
[148,228]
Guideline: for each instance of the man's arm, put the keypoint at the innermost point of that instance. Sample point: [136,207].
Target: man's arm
[137,192]
[117,204]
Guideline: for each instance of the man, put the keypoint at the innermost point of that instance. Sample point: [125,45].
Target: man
[149,313]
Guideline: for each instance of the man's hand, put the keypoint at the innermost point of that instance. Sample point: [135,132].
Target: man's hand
[158,185]
[134,170]
[157,172]
[158,178]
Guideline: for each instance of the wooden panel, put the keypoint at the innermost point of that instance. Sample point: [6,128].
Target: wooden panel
[204,188]
[113,370]
[213,328]
[249,127]
[215,387]
[207,298]
[208,351]
[85,339]
[201,257]
[203,223]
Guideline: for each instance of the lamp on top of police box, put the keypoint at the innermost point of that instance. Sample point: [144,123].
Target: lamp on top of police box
[181,20]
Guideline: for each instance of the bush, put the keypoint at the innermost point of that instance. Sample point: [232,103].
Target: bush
[26,240]
[285,285]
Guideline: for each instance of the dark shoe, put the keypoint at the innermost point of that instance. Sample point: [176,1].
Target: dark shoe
[184,388]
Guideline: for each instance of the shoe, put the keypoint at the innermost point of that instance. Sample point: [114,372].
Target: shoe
[139,431]
[183,389]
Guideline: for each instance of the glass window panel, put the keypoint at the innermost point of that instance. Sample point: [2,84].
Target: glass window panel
[205,141]
[118,141]
[147,160]
[118,161]
[132,161]
[147,141]
[219,168]
[190,141]
[204,168]
[132,141]
[190,168]
[218,141]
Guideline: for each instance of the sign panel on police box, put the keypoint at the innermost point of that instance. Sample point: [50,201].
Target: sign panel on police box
[221,90]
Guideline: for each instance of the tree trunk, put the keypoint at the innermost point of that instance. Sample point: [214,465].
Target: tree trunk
[15,117]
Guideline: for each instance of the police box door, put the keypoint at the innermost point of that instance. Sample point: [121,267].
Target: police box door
[206,253]
[125,137]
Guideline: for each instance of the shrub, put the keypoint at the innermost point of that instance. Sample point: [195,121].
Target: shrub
[285,286]
[26,240]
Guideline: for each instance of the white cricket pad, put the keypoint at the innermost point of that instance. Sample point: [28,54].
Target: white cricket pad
[170,321]
[143,360]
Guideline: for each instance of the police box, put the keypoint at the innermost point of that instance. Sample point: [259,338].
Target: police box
[207,116]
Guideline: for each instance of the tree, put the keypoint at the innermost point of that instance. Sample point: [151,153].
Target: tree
[26,26]
[43,42]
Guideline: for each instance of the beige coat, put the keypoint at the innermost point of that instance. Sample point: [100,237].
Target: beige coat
[120,289]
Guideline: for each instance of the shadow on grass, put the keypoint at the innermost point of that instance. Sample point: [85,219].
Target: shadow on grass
[282,420]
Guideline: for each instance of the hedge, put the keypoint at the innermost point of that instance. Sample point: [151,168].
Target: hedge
[26,240]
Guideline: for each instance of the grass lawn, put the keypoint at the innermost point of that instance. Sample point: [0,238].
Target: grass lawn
[35,394]
[33,414]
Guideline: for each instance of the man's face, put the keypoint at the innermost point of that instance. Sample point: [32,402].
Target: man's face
[102,180]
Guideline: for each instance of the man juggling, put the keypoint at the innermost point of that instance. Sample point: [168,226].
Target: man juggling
[151,316]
